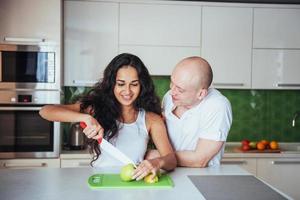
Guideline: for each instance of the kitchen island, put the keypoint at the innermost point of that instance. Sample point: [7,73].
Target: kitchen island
[71,183]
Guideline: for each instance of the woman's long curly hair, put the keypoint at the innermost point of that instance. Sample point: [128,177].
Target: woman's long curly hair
[104,106]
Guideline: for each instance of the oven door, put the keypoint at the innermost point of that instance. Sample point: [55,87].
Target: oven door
[24,134]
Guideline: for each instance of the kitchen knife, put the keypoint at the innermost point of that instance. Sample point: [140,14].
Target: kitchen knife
[112,150]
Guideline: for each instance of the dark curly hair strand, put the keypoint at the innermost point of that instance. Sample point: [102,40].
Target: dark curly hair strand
[104,106]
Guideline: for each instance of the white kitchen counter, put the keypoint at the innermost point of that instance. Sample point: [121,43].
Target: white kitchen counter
[86,155]
[71,183]
[262,155]
[289,150]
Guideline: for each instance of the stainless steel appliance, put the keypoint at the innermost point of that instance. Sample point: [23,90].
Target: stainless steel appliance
[23,133]
[30,66]
[29,78]
[76,137]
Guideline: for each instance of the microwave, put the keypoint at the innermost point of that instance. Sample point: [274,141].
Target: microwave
[25,66]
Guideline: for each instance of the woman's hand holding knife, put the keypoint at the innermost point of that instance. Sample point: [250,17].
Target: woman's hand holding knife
[92,129]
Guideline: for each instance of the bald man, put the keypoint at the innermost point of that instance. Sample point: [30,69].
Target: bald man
[198,118]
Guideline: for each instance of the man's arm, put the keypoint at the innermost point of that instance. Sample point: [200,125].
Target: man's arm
[204,152]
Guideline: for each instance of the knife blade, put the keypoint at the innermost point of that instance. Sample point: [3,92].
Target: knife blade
[112,150]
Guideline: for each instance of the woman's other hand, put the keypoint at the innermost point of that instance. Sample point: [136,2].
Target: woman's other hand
[93,129]
[146,167]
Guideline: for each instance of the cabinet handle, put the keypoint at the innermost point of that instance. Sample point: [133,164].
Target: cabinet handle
[288,85]
[234,162]
[83,82]
[17,39]
[228,84]
[1,66]
[285,162]
[84,164]
[21,108]
[14,165]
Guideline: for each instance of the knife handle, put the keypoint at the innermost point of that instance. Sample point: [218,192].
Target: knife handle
[83,125]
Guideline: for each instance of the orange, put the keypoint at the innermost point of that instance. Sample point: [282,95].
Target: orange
[274,145]
[260,146]
[265,142]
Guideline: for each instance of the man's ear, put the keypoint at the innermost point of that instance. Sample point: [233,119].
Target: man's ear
[202,93]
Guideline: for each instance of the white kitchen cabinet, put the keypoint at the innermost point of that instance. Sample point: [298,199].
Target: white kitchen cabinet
[158,24]
[276,69]
[161,35]
[160,60]
[66,163]
[276,48]
[74,159]
[29,163]
[227,45]
[282,173]
[249,164]
[276,28]
[34,20]
[91,40]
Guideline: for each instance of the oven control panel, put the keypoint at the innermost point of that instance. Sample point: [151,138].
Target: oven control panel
[32,97]
[24,98]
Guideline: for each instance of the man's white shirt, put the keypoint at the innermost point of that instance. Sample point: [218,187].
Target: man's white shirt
[210,119]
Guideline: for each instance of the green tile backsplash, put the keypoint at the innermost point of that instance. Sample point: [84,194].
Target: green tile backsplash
[257,114]
[264,114]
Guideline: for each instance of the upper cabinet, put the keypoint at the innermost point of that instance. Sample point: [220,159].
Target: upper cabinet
[161,35]
[91,40]
[276,69]
[249,46]
[30,20]
[276,49]
[160,60]
[227,45]
[162,25]
[276,28]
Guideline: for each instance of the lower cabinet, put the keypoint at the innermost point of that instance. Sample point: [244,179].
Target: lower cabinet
[249,164]
[75,163]
[29,163]
[282,173]
[75,159]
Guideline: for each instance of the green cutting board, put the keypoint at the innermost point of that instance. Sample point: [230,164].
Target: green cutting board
[105,181]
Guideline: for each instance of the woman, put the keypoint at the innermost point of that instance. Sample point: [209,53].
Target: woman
[123,109]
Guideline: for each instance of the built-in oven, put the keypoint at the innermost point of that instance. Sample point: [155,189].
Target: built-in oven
[29,66]
[23,133]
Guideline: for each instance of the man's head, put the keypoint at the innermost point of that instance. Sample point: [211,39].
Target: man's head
[190,81]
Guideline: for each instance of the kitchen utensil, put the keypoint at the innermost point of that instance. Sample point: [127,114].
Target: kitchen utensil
[76,137]
[111,150]
[104,181]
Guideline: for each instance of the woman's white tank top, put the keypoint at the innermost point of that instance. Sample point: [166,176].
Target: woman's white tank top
[132,139]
